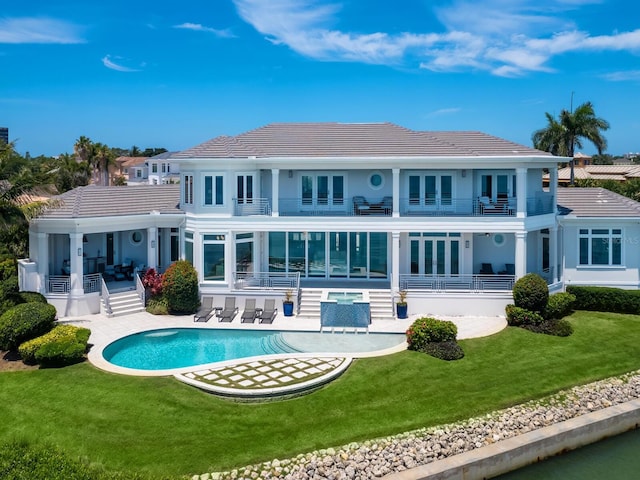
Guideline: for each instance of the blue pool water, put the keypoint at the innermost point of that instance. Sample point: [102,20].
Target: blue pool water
[185,347]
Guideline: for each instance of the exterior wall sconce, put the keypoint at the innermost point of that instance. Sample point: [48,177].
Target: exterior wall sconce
[153,244]
[79,251]
[464,173]
[487,234]
[466,244]
[290,173]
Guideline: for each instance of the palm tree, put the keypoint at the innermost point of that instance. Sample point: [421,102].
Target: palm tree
[562,136]
[103,158]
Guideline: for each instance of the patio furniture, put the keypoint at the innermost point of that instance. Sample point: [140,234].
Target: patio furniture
[360,205]
[486,269]
[269,312]
[509,269]
[124,270]
[205,311]
[250,313]
[229,312]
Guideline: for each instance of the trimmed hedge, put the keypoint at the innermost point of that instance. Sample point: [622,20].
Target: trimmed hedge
[180,288]
[61,353]
[519,317]
[606,299]
[60,334]
[560,305]
[24,322]
[16,298]
[558,328]
[426,329]
[531,292]
[444,350]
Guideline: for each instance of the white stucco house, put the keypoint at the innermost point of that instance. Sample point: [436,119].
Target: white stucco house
[454,218]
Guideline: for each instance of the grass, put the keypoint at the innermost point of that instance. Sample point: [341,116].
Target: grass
[160,427]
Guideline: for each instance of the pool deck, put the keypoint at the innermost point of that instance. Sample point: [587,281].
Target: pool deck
[105,330]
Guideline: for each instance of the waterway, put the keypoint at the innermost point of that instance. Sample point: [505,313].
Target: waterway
[615,458]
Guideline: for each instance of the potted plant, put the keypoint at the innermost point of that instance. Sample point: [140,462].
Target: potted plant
[287,303]
[401,304]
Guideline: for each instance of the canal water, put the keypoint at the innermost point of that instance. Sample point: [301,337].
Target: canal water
[616,458]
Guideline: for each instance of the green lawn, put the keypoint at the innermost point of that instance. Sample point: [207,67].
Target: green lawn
[162,427]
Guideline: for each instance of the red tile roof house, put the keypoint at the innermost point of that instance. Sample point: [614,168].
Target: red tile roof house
[454,218]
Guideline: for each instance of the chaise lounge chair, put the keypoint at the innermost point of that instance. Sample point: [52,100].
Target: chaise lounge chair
[205,311]
[487,269]
[269,312]
[250,313]
[229,312]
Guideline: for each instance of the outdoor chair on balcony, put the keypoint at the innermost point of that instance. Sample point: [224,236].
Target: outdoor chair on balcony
[269,312]
[509,269]
[205,311]
[486,269]
[360,205]
[250,312]
[229,312]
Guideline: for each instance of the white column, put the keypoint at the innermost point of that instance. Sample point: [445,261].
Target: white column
[152,247]
[76,264]
[43,261]
[521,192]
[553,253]
[521,254]
[396,192]
[275,192]
[229,258]
[395,260]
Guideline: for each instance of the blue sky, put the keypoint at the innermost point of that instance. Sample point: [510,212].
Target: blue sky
[174,74]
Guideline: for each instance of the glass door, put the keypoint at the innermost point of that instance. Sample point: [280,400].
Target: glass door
[244,189]
[434,256]
[432,192]
[324,191]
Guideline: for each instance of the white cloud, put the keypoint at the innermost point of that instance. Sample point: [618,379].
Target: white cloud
[445,111]
[623,76]
[226,33]
[39,30]
[505,37]
[109,63]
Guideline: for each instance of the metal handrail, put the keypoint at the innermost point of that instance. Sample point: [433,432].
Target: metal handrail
[58,284]
[457,283]
[140,290]
[91,282]
[104,292]
[253,206]
[267,280]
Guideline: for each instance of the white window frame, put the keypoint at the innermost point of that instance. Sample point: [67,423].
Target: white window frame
[610,238]
[187,191]
[214,185]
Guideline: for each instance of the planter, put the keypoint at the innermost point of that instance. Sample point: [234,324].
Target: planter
[401,310]
[287,308]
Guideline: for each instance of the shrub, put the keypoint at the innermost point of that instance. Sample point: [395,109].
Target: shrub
[59,333]
[559,328]
[24,322]
[519,317]
[152,280]
[60,353]
[158,306]
[16,298]
[531,293]
[180,288]
[606,299]
[559,305]
[425,330]
[444,350]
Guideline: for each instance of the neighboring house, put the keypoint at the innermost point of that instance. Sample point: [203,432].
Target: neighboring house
[453,217]
[162,170]
[133,169]
[618,173]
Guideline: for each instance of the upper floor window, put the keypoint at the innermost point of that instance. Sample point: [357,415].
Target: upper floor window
[188,190]
[214,190]
[600,246]
[154,168]
[164,168]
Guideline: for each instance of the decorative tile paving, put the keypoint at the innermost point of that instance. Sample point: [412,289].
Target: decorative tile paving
[268,374]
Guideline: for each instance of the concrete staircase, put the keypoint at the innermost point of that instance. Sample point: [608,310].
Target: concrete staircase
[122,303]
[380,301]
[310,303]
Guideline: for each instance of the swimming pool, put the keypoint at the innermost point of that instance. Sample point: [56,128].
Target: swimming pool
[186,347]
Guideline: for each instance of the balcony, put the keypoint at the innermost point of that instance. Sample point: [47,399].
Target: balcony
[360,206]
[457,283]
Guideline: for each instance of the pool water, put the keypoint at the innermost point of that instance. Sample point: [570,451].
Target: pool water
[344,297]
[185,347]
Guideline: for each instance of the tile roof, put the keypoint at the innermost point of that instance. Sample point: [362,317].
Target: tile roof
[595,202]
[353,140]
[600,172]
[99,201]
[131,161]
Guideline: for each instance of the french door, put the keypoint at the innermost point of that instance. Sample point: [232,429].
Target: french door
[244,189]
[435,256]
[431,191]
[322,190]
